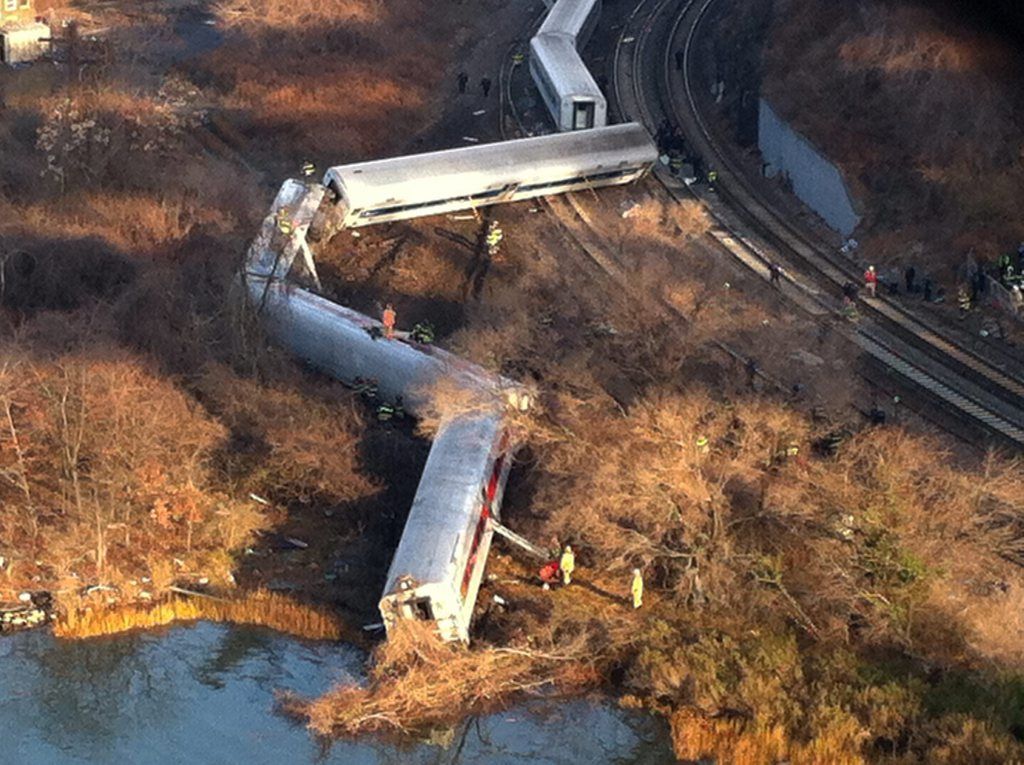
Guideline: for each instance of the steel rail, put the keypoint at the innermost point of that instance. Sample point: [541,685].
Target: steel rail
[954,373]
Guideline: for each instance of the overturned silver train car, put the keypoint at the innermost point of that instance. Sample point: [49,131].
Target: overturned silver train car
[349,346]
[440,560]
[437,568]
[470,177]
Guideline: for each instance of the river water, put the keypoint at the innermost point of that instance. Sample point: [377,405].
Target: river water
[204,695]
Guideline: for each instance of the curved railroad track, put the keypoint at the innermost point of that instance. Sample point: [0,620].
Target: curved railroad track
[650,89]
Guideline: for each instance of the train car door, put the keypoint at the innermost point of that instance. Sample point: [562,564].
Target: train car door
[582,115]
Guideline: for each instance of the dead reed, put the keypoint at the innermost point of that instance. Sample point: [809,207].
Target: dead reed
[259,608]
[734,742]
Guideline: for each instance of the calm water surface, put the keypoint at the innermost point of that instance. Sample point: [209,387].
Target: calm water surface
[204,695]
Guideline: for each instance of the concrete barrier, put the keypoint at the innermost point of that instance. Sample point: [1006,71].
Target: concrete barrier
[816,181]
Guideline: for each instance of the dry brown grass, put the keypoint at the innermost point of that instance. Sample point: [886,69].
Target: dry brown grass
[908,43]
[304,442]
[672,224]
[299,15]
[727,742]
[129,222]
[260,609]
[376,65]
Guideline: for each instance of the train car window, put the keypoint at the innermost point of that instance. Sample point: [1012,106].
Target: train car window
[613,174]
[478,536]
[380,211]
[552,184]
[583,115]
[420,609]
[581,179]
[397,209]
[334,188]
[489,194]
[547,87]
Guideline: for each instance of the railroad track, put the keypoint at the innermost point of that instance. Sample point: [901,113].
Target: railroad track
[748,228]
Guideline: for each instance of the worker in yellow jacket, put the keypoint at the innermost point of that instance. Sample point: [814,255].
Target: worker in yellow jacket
[638,588]
[567,564]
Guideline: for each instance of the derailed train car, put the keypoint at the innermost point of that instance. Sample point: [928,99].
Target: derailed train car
[437,568]
[569,90]
[436,571]
[475,176]
[349,346]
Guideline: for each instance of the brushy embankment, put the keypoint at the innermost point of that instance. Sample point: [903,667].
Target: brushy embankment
[418,682]
[259,608]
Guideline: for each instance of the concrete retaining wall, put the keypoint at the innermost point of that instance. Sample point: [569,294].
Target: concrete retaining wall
[816,181]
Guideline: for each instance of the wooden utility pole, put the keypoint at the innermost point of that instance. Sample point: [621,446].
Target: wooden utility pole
[70,42]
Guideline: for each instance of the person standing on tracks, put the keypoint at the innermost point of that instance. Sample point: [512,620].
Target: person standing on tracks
[774,274]
[567,565]
[1017,298]
[908,278]
[963,300]
[637,588]
[871,281]
[388,319]
[712,179]
[750,367]
[485,86]
[462,80]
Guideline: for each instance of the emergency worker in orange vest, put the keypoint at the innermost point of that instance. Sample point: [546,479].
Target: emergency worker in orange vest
[388,320]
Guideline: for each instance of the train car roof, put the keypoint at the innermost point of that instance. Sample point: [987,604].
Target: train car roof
[446,508]
[567,17]
[337,340]
[557,55]
[461,172]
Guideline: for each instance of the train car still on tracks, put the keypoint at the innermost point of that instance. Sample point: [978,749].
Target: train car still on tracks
[655,66]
